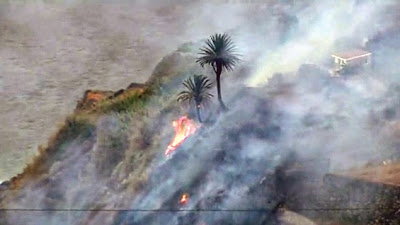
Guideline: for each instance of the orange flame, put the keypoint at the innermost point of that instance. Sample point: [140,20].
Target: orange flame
[184,199]
[184,127]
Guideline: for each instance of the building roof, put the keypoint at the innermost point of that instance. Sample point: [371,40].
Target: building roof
[352,54]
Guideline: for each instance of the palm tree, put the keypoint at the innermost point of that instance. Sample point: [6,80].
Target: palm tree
[197,91]
[220,53]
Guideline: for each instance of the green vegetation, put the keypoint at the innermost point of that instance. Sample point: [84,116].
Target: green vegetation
[134,101]
[197,87]
[220,53]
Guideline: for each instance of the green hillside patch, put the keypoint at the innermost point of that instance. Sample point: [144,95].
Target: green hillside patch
[134,102]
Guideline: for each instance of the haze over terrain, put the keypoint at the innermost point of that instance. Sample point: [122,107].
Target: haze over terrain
[288,115]
[52,51]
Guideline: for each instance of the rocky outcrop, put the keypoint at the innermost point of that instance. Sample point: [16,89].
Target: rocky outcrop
[357,198]
[367,202]
[136,86]
[91,98]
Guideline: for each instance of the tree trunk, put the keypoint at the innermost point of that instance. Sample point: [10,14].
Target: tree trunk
[218,74]
[198,113]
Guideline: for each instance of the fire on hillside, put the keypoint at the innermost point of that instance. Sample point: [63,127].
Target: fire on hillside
[184,199]
[184,127]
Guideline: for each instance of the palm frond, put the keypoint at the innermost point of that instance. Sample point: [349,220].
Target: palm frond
[197,88]
[219,48]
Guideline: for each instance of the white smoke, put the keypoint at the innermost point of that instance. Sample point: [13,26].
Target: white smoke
[316,118]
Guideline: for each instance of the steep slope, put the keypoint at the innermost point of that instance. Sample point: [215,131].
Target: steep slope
[51,51]
[102,136]
[106,165]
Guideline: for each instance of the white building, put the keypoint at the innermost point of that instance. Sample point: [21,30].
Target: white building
[352,59]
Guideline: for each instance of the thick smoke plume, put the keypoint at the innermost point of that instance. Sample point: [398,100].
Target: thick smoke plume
[291,112]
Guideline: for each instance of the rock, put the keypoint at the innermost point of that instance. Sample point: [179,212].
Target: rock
[4,185]
[135,86]
[91,98]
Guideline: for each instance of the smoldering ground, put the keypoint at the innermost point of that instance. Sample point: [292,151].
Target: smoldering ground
[229,167]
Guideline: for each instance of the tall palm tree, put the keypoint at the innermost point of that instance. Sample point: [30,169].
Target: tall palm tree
[197,92]
[220,53]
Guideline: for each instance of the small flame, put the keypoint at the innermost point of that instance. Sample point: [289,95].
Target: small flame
[184,199]
[384,163]
[184,127]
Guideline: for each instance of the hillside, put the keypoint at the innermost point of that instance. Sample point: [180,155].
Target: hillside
[277,155]
[109,156]
[52,51]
